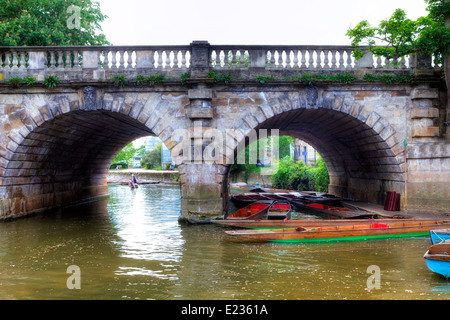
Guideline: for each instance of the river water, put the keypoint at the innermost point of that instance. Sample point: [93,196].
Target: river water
[132,246]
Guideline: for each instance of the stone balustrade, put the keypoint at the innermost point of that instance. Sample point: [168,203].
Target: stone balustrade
[73,62]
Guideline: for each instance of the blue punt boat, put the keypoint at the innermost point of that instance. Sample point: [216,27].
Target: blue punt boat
[440,235]
[438,258]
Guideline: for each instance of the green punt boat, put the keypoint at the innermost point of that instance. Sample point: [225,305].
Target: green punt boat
[350,232]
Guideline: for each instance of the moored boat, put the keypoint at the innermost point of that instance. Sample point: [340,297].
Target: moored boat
[279,211]
[255,210]
[438,258]
[274,224]
[331,212]
[351,232]
[242,200]
[438,236]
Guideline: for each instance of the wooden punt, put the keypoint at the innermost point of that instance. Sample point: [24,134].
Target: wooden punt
[275,224]
[438,236]
[242,200]
[255,210]
[279,211]
[331,212]
[438,258]
[352,232]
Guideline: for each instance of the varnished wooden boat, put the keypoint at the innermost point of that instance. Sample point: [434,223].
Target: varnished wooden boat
[242,200]
[279,211]
[274,224]
[438,236]
[352,232]
[438,258]
[331,212]
[256,210]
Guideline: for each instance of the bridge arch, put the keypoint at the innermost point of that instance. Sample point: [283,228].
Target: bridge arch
[363,152]
[59,147]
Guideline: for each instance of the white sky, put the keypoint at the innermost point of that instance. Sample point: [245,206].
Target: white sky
[284,22]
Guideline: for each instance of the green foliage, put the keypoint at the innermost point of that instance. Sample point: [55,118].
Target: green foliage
[45,23]
[388,78]
[28,81]
[152,159]
[225,78]
[184,77]
[311,79]
[297,176]
[119,81]
[262,79]
[126,154]
[15,82]
[150,80]
[399,36]
[51,81]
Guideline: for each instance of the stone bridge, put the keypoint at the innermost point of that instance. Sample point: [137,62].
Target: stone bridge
[56,143]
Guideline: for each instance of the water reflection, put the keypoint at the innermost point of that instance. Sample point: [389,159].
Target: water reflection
[146,222]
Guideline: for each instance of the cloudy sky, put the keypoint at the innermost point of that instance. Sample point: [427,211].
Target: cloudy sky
[284,22]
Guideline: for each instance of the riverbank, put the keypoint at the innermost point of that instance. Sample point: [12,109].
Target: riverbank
[144,176]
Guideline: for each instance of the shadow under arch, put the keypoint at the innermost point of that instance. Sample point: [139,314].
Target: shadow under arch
[361,162]
[65,160]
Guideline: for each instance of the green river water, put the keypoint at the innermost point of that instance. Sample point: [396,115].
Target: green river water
[132,246]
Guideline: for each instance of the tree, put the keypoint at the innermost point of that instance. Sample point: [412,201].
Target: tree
[51,23]
[152,159]
[126,154]
[399,36]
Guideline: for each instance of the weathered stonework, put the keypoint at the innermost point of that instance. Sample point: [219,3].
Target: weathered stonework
[56,144]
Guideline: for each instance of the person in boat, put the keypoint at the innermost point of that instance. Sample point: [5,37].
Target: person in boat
[133,181]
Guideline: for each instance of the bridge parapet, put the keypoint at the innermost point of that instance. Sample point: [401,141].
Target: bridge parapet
[86,63]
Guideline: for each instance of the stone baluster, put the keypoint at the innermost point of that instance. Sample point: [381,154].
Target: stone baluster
[319,59]
[303,66]
[106,59]
[349,59]
[333,59]
[52,60]
[272,58]
[175,59]
[76,59]
[113,59]
[295,60]
[241,58]
[121,59]
[280,59]
[60,60]
[160,60]
[130,59]
[226,60]
[311,59]
[168,59]
[68,61]
[288,59]
[22,60]
[326,61]
[341,60]
[183,59]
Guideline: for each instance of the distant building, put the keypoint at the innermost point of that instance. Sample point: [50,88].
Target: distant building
[152,142]
[304,152]
[137,162]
